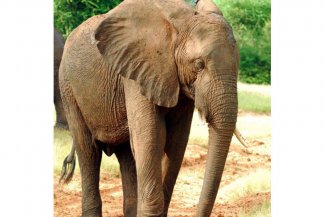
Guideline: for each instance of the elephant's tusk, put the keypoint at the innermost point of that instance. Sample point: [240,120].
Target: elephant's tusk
[241,139]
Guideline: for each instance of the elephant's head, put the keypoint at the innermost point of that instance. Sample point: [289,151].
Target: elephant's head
[170,48]
[207,59]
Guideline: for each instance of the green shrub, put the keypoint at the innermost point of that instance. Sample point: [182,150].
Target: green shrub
[255,57]
[250,20]
[68,14]
[246,14]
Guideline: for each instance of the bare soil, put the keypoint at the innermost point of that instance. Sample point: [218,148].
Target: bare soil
[240,162]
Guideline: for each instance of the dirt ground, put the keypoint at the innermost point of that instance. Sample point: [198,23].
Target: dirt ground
[240,162]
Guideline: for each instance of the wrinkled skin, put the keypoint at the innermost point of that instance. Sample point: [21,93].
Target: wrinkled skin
[61,120]
[129,85]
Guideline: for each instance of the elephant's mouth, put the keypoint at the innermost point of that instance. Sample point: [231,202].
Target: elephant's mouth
[203,114]
[189,91]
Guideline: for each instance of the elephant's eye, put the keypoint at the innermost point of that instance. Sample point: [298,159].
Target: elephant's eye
[198,65]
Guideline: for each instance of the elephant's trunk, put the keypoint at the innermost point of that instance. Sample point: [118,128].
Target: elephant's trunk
[222,117]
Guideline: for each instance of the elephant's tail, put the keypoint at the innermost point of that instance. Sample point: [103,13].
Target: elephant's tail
[68,167]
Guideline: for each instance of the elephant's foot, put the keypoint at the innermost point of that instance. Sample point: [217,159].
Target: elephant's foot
[130,211]
[93,212]
[154,209]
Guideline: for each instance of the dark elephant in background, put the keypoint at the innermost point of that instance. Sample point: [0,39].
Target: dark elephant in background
[130,80]
[61,120]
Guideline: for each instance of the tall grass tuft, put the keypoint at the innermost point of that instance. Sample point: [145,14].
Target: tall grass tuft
[259,181]
[263,210]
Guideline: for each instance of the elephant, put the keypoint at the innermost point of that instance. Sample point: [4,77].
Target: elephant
[130,80]
[61,120]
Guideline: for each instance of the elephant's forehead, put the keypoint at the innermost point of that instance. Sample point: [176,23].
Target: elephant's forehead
[210,48]
[211,29]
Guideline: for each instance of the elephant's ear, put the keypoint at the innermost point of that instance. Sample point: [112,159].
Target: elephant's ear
[138,43]
[207,6]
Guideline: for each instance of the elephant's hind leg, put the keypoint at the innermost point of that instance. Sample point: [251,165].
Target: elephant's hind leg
[129,179]
[89,158]
[178,124]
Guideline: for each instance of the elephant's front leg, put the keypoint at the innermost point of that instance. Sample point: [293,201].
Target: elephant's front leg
[178,124]
[147,136]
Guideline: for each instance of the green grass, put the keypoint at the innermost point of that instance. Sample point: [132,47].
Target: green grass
[62,147]
[254,98]
[254,102]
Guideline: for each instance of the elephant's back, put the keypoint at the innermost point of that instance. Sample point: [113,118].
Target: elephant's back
[98,92]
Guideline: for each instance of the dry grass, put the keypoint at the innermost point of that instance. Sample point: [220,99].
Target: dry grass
[256,182]
[263,210]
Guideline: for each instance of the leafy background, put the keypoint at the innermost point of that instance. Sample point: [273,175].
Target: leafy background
[250,20]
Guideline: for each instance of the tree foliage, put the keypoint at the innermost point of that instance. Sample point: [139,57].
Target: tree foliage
[68,14]
[251,23]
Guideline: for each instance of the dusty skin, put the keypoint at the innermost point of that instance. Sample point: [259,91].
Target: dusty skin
[240,163]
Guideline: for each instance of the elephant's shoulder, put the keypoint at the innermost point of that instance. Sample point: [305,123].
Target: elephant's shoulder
[92,22]
[86,28]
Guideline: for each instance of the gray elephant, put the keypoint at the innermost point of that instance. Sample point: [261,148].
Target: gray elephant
[130,80]
[61,120]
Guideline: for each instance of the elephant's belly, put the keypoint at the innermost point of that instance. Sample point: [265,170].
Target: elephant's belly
[111,135]
[107,122]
